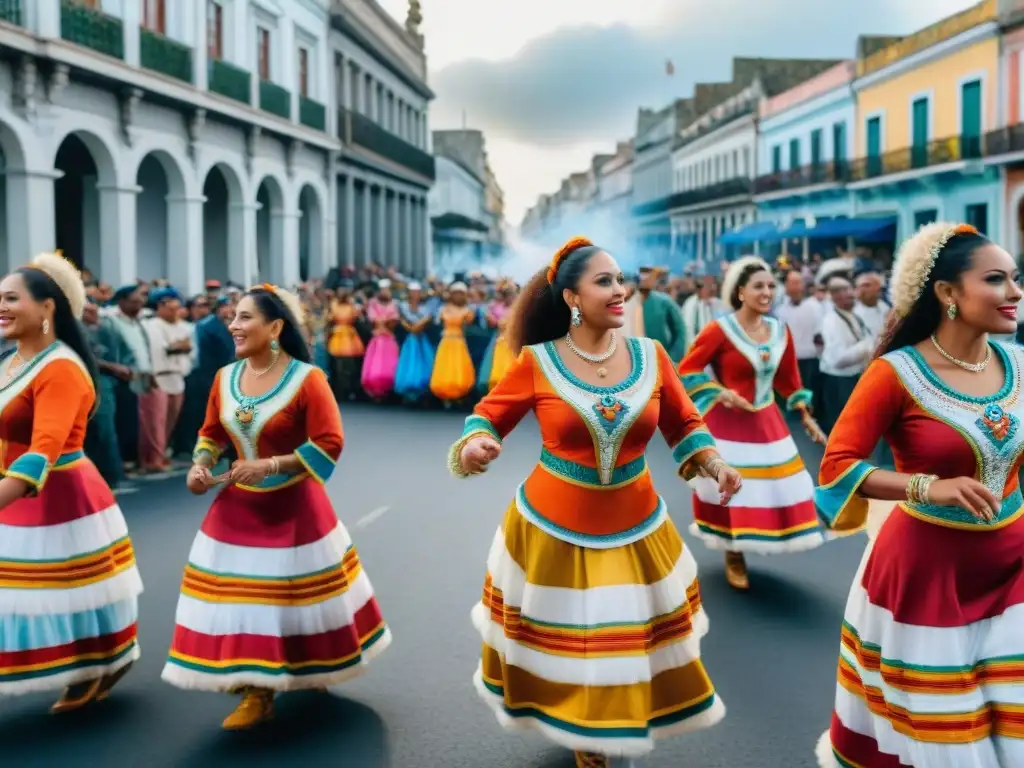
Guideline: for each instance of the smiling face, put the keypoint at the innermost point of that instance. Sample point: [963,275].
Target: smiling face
[21,316]
[251,331]
[759,292]
[988,291]
[601,293]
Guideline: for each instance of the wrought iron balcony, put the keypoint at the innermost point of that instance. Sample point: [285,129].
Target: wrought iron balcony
[94,29]
[229,80]
[166,56]
[1003,141]
[11,12]
[275,99]
[935,153]
[833,172]
[729,188]
[358,129]
[312,113]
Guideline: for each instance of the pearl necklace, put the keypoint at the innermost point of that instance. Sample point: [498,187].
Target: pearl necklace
[594,359]
[256,373]
[972,367]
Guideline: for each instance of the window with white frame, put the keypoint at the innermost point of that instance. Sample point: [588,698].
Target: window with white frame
[154,16]
[263,51]
[214,29]
[303,71]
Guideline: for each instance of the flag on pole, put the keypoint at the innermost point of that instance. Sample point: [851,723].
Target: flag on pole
[670,68]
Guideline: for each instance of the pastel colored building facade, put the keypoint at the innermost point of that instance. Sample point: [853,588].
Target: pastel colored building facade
[923,106]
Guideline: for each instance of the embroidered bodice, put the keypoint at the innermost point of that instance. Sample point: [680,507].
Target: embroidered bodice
[454,319]
[380,312]
[411,316]
[297,415]
[591,485]
[932,429]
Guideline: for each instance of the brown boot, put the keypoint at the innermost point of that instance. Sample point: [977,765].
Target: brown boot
[76,696]
[256,708]
[736,570]
[590,760]
[109,681]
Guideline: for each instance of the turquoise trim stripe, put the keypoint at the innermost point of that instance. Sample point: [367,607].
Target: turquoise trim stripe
[30,467]
[802,397]
[476,424]
[80,662]
[581,473]
[599,731]
[270,482]
[695,442]
[585,539]
[706,399]
[20,633]
[67,458]
[636,355]
[315,460]
[830,499]
[1008,508]
[694,380]
[790,536]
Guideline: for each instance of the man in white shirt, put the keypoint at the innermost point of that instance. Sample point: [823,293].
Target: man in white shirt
[803,315]
[847,348]
[702,308]
[870,306]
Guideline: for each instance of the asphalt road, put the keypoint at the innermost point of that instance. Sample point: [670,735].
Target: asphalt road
[423,537]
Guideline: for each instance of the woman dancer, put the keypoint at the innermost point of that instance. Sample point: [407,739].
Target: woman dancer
[752,357]
[498,358]
[929,673]
[274,597]
[345,346]
[591,615]
[416,361]
[453,376]
[382,353]
[69,604]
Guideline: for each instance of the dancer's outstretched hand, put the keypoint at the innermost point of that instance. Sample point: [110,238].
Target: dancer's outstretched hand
[729,483]
[478,453]
[199,480]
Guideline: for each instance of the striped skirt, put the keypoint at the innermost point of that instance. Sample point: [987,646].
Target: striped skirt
[774,511]
[597,649]
[274,596]
[930,672]
[69,586]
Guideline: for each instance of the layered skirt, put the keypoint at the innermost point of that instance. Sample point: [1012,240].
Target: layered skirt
[774,511]
[69,585]
[378,377]
[930,672]
[274,596]
[597,649]
[453,376]
[415,364]
[497,360]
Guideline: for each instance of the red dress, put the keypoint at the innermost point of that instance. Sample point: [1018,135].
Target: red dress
[274,594]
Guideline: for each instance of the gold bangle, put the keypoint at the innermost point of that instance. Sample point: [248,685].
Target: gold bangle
[917,487]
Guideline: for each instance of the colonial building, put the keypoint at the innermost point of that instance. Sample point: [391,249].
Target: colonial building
[462,223]
[494,203]
[1004,146]
[386,168]
[178,140]
[610,206]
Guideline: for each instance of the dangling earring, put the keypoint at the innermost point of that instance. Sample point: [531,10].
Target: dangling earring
[575,317]
[951,310]
[46,327]
[274,346]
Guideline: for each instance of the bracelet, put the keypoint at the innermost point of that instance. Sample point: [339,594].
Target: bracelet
[275,467]
[714,466]
[917,488]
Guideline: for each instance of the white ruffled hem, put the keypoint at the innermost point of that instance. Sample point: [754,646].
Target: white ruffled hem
[62,680]
[823,751]
[43,602]
[789,547]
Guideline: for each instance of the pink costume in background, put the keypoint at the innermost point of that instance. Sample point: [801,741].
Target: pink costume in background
[381,359]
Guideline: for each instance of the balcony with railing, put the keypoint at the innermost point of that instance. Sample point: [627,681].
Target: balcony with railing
[275,99]
[737,187]
[91,28]
[931,155]
[166,56]
[832,172]
[12,12]
[312,113]
[358,129]
[229,80]
[1004,141]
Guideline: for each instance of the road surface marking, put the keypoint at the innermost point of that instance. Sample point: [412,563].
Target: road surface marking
[367,519]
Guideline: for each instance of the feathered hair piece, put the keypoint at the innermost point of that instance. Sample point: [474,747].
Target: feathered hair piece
[732,275]
[915,260]
[290,300]
[841,267]
[561,253]
[67,277]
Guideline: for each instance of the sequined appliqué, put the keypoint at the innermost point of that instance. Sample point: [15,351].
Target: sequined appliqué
[998,425]
[612,411]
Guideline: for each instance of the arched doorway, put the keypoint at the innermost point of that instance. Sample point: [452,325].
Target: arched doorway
[83,233]
[161,240]
[270,230]
[223,223]
[311,257]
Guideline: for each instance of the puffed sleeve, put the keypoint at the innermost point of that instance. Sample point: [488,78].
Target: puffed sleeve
[877,401]
[698,383]
[319,454]
[62,395]
[500,410]
[679,420]
[787,378]
[213,439]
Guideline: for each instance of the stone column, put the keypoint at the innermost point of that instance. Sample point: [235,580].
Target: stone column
[408,254]
[118,233]
[366,247]
[242,243]
[284,264]
[200,55]
[428,240]
[185,248]
[395,226]
[42,17]
[383,256]
[30,214]
[131,18]
[348,254]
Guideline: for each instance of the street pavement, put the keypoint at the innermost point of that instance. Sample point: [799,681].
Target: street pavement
[423,538]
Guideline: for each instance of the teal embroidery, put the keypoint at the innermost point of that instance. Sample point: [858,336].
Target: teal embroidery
[611,411]
[997,425]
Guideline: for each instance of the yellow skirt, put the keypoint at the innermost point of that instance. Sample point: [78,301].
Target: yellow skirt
[501,362]
[598,649]
[453,376]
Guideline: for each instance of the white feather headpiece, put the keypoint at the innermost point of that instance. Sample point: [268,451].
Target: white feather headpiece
[915,259]
[290,301]
[841,266]
[67,277]
[732,275]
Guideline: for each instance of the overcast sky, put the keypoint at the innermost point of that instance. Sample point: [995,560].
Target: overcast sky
[551,82]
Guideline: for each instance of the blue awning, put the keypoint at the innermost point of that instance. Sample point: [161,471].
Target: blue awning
[796,231]
[752,233]
[856,228]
